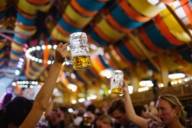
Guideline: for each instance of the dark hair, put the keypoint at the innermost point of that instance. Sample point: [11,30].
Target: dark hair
[6,99]
[139,109]
[91,108]
[116,105]
[15,111]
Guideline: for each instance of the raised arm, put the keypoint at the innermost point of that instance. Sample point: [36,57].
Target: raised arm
[42,99]
[130,112]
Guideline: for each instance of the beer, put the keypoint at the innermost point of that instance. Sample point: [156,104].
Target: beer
[81,62]
[117,90]
[117,82]
[79,50]
[68,67]
[87,120]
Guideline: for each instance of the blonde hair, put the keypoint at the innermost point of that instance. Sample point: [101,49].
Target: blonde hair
[174,102]
[104,118]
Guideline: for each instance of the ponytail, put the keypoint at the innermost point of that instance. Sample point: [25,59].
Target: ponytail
[182,116]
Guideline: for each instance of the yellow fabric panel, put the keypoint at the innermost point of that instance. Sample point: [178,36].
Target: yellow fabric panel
[134,45]
[79,20]
[2,44]
[14,57]
[2,4]
[27,7]
[109,31]
[32,9]
[16,47]
[59,36]
[143,7]
[174,26]
[24,31]
[45,8]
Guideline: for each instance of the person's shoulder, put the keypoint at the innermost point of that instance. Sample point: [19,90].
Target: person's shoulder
[155,124]
[132,125]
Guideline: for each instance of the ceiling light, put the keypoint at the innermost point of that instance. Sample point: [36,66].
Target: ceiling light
[73,76]
[21,59]
[17,72]
[143,89]
[153,2]
[30,56]
[38,48]
[130,89]
[25,83]
[161,85]
[92,97]
[14,84]
[49,46]
[73,101]
[174,76]
[106,73]
[54,46]
[57,92]
[81,100]
[70,110]
[146,83]
[43,47]
[72,87]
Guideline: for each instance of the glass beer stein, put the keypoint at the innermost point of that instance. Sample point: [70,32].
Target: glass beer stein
[79,50]
[87,119]
[117,82]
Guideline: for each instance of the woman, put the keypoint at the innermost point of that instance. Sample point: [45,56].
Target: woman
[41,102]
[24,113]
[103,121]
[170,112]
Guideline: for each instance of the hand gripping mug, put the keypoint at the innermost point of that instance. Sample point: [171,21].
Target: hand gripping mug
[79,50]
[117,82]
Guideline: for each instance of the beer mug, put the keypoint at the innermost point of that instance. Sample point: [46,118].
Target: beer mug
[117,82]
[79,49]
[88,118]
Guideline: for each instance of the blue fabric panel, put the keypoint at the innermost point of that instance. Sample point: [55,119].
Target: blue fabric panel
[126,53]
[96,37]
[156,37]
[24,20]
[91,5]
[123,19]
[68,27]
[103,61]
[19,40]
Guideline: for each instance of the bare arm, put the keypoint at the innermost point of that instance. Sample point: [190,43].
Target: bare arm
[130,112]
[42,99]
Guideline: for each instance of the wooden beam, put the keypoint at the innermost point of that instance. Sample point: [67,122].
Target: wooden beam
[164,71]
[148,54]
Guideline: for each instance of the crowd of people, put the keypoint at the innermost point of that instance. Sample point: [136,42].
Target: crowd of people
[166,112]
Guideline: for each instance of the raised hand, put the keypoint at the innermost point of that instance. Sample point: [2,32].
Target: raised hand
[125,88]
[61,53]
